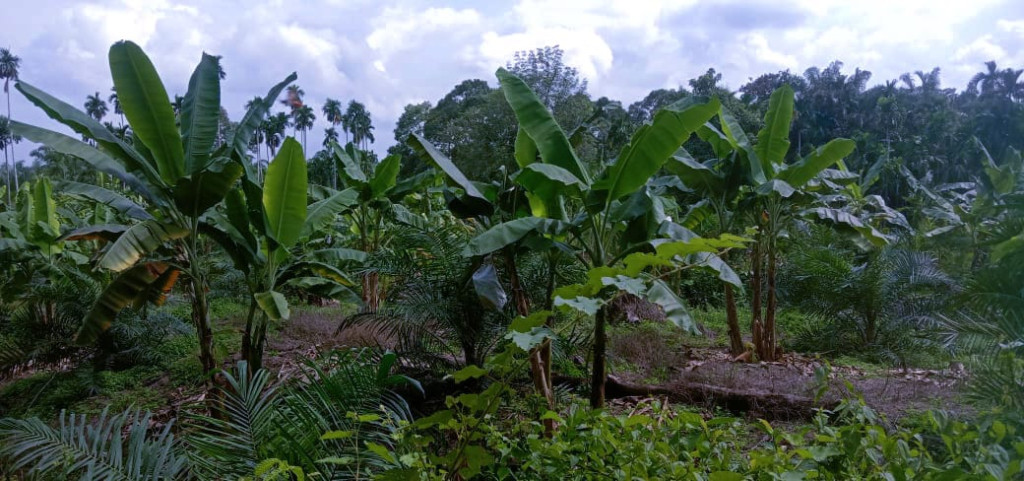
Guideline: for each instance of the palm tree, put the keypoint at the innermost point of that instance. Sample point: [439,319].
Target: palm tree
[95,106]
[177,105]
[294,97]
[274,131]
[302,119]
[334,115]
[5,140]
[930,81]
[358,122]
[9,64]
[258,136]
[116,103]
[985,82]
[330,136]
[1010,84]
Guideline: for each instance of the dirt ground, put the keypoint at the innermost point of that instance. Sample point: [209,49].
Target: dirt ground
[893,392]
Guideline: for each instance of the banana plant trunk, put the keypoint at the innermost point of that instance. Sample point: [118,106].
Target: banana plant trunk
[371,291]
[201,319]
[756,327]
[539,370]
[768,336]
[599,374]
[249,353]
[259,342]
[735,339]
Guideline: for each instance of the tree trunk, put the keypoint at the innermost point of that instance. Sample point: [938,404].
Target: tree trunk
[768,336]
[7,175]
[259,342]
[549,296]
[755,298]
[14,161]
[599,375]
[371,295]
[538,369]
[247,335]
[201,319]
[735,338]
[870,330]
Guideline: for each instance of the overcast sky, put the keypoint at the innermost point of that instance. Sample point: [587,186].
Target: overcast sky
[388,53]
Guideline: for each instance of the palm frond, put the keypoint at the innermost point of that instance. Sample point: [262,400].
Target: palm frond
[80,448]
[243,431]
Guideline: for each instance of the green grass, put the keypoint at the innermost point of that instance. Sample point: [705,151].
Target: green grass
[86,391]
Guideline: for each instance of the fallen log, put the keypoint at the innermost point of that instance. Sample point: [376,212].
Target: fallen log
[767,405]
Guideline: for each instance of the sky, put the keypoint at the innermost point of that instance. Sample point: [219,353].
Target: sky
[389,53]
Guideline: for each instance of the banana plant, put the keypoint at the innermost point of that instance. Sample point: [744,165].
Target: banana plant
[261,227]
[606,221]
[778,192]
[503,204]
[36,219]
[30,242]
[846,205]
[377,196]
[718,182]
[177,175]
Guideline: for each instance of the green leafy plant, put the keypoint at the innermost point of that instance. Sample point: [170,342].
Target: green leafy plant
[617,214]
[343,392]
[179,173]
[110,447]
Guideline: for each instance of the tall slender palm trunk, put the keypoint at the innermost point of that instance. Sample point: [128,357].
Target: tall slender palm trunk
[12,160]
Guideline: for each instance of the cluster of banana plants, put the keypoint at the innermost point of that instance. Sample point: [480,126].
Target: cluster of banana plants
[755,184]
[615,224]
[172,177]
[180,186]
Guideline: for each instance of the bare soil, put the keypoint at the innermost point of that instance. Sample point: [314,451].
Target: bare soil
[893,392]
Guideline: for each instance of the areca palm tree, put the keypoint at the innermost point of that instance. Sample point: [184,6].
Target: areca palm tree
[9,64]
[359,123]
[302,119]
[985,82]
[258,134]
[5,140]
[274,131]
[116,103]
[330,136]
[294,97]
[177,105]
[334,115]
[95,106]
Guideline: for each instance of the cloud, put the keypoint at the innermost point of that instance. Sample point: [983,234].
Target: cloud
[389,53]
[980,50]
[400,29]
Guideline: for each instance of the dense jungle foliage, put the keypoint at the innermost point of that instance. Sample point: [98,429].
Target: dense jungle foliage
[531,284]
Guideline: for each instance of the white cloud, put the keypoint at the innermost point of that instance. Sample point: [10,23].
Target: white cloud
[980,50]
[400,29]
[387,53]
[758,45]
[585,50]
[1012,26]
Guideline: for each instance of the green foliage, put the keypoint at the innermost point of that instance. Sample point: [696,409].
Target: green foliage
[881,305]
[86,449]
[323,423]
[655,442]
[431,307]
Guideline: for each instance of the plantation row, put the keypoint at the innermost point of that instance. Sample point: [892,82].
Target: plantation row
[489,288]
